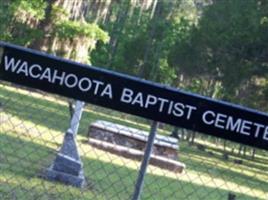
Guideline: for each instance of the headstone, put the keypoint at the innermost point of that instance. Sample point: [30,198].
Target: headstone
[231,196]
[225,156]
[67,166]
[201,147]
[238,161]
[133,138]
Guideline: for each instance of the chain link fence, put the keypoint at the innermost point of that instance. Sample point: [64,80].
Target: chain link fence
[111,145]
[103,160]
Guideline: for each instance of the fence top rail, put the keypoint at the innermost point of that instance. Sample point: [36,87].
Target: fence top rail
[133,95]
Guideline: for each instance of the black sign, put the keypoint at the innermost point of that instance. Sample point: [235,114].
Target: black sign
[132,95]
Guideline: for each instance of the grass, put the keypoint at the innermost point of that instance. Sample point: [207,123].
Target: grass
[31,131]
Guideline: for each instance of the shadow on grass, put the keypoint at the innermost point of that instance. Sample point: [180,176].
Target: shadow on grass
[23,157]
[250,162]
[260,163]
[22,161]
[50,114]
[215,166]
[36,110]
[55,116]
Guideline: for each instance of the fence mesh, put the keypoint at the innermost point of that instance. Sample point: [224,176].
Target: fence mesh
[32,129]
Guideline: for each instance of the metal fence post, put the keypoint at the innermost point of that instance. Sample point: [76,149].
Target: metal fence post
[147,155]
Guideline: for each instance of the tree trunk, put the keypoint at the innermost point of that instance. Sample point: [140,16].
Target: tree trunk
[75,9]
[224,145]
[244,151]
[175,133]
[233,149]
[188,136]
[100,10]
[182,134]
[45,25]
[240,149]
[117,31]
[193,137]
[253,153]
[150,40]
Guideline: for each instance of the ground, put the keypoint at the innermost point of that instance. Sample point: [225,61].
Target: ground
[31,131]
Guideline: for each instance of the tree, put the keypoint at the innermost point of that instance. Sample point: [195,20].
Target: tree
[225,55]
[19,19]
[142,33]
[227,47]
[55,26]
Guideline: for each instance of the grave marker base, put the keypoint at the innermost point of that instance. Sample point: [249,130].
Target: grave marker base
[67,166]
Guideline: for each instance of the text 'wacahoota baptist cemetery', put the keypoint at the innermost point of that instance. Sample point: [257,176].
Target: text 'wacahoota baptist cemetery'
[135,96]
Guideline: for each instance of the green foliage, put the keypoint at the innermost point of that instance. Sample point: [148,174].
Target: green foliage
[72,29]
[33,8]
[140,42]
[58,14]
[216,48]
[229,45]
[5,19]
[25,36]
[13,16]
[167,74]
